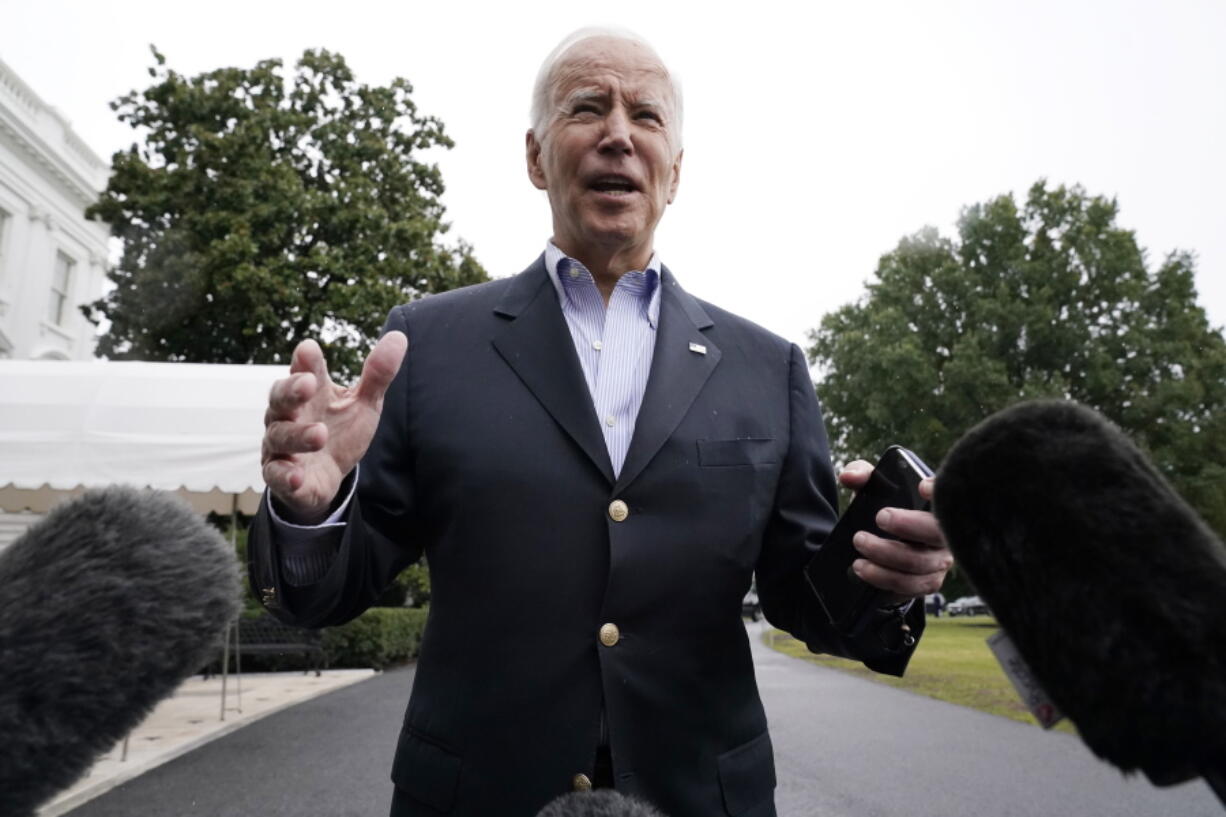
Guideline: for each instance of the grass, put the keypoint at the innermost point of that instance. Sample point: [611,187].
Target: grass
[953,663]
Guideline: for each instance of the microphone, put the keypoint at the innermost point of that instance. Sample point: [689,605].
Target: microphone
[106,605]
[1112,589]
[598,803]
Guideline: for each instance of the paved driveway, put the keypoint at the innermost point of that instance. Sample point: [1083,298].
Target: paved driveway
[844,747]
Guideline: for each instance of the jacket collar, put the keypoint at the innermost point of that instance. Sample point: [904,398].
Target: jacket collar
[537,345]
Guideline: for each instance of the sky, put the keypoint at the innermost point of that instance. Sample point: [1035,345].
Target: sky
[816,134]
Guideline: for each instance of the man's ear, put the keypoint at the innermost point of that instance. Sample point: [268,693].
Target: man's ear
[533,154]
[676,180]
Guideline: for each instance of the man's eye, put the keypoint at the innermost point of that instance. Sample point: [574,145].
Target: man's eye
[585,107]
[652,115]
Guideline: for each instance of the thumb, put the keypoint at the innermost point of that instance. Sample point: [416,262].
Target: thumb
[381,366]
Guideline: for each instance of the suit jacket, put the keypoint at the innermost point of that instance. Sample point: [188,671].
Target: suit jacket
[489,458]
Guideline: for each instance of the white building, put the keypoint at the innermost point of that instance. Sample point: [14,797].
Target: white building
[51,258]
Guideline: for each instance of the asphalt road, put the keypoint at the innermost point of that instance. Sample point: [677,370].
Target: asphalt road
[844,747]
[327,757]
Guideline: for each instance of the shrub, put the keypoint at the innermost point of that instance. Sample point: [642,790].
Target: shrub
[378,638]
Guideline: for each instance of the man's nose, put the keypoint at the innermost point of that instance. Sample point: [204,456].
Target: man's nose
[616,136]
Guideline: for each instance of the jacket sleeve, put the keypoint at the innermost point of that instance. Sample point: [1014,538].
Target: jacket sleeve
[373,545]
[804,512]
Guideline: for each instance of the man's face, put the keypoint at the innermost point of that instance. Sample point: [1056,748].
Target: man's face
[608,154]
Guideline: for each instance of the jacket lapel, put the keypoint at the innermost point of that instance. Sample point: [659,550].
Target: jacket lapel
[537,345]
[679,368]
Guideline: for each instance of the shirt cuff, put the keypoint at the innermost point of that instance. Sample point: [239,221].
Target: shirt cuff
[307,551]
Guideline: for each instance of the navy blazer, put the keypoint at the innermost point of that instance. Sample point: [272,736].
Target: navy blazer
[489,458]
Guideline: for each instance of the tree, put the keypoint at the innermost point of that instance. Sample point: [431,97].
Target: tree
[263,209]
[1052,299]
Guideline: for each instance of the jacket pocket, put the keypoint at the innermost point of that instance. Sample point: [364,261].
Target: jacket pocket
[745,451]
[426,771]
[747,774]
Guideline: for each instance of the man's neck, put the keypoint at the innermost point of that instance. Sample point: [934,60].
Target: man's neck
[607,265]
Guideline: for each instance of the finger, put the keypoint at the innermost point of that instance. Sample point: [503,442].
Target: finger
[283,477]
[308,357]
[901,557]
[856,474]
[918,527]
[283,438]
[927,487]
[288,395]
[902,585]
[381,366]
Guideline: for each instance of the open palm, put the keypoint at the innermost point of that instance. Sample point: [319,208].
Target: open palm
[315,431]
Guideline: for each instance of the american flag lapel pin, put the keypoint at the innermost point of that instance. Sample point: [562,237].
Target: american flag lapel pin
[698,348]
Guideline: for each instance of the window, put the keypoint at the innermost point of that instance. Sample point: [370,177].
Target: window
[60,280]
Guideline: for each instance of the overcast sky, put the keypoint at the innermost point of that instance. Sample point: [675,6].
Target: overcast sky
[817,134]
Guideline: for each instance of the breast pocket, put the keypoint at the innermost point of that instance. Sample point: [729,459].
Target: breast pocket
[743,451]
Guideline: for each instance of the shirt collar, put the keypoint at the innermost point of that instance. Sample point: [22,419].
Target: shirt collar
[649,294]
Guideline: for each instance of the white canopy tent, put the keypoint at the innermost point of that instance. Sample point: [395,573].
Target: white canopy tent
[192,428]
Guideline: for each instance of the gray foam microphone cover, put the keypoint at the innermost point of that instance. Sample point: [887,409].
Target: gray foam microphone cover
[106,605]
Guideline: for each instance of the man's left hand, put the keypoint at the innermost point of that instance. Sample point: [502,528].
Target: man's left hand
[905,569]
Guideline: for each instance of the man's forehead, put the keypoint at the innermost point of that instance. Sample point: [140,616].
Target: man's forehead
[589,64]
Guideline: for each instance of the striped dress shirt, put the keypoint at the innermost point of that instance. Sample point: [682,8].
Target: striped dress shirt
[614,344]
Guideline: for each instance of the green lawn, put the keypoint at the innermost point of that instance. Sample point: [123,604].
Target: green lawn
[953,663]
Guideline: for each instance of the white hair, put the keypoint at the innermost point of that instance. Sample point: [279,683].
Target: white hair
[543,87]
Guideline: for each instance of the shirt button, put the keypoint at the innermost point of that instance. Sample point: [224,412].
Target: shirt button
[581,782]
[618,510]
[610,635]
[609,421]
[597,345]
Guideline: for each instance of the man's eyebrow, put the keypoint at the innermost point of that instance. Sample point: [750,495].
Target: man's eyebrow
[585,95]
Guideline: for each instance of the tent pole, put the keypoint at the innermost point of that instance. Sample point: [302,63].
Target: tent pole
[238,658]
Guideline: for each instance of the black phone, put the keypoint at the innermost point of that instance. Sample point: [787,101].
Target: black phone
[848,601]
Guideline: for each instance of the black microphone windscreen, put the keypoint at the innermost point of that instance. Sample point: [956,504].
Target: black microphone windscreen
[1111,587]
[106,605]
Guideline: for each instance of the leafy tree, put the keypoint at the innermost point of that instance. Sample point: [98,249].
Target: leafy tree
[1052,299]
[262,209]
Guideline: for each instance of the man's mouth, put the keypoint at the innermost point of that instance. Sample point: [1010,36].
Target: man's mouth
[613,184]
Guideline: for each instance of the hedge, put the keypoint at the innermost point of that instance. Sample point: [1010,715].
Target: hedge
[378,638]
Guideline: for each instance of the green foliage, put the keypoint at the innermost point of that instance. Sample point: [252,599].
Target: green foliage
[378,638]
[411,587]
[262,209]
[416,581]
[1052,299]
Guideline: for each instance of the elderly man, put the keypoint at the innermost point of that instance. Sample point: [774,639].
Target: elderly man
[595,464]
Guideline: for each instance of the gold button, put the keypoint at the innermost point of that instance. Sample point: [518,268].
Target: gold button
[610,635]
[581,782]
[618,510]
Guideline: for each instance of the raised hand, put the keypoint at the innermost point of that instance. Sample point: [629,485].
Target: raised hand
[907,569]
[316,431]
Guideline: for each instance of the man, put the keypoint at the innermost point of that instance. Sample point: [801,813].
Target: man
[595,464]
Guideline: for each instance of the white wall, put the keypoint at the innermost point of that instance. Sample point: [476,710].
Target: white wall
[48,176]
